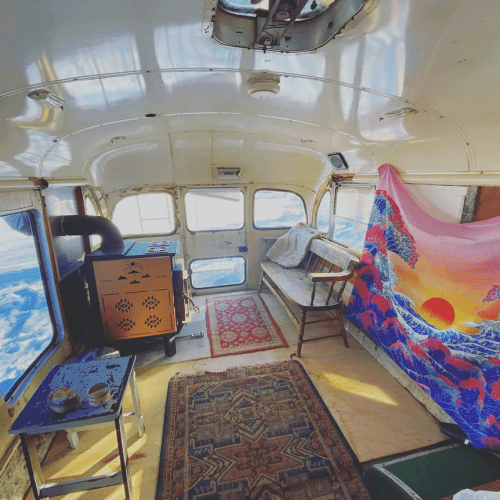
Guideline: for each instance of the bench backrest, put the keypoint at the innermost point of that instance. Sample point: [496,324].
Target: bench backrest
[329,252]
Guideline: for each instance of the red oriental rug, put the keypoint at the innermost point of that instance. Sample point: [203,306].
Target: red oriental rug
[254,433]
[241,324]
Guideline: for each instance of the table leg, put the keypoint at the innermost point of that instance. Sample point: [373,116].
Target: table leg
[32,464]
[122,450]
[137,406]
[72,438]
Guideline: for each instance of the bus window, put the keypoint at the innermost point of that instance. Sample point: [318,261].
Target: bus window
[148,213]
[273,209]
[95,239]
[216,209]
[352,213]
[26,328]
[209,273]
[323,213]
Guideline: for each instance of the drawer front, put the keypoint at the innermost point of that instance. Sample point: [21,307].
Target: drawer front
[138,314]
[132,275]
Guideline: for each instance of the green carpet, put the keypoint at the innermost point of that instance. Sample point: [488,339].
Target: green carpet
[432,474]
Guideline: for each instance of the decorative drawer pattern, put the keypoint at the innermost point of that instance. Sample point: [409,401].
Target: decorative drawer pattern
[135,297]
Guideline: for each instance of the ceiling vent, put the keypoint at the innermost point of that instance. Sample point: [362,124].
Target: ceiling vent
[263,85]
[228,174]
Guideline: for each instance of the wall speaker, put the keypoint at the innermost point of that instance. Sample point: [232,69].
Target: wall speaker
[338,161]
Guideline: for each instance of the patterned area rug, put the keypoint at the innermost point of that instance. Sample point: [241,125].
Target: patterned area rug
[240,324]
[253,433]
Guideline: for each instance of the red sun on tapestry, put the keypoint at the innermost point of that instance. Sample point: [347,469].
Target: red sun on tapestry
[438,312]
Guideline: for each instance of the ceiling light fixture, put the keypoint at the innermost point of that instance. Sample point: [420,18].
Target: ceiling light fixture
[399,113]
[46,98]
[263,85]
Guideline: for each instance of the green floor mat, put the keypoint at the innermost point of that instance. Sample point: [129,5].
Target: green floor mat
[432,474]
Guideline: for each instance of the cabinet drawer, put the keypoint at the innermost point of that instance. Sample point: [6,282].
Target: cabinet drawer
[138,314]
[132,275]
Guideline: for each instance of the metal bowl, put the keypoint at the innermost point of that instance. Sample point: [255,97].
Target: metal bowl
[62,400]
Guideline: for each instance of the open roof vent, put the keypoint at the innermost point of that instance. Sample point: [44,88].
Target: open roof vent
[280,25]
[263,85]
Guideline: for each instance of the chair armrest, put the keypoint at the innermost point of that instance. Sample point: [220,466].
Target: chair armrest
[332,277]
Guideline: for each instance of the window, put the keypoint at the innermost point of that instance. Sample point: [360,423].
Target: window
[274,209]
[323,213]
[352,213]
[208,273]
[215,209]
[95,239]
[26,329]
[148,213]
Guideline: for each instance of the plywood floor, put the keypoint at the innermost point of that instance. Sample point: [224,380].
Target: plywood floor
[377,415]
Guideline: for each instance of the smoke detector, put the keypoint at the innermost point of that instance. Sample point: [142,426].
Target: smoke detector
[264,85]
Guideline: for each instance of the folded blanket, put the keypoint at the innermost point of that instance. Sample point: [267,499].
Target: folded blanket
[289,249]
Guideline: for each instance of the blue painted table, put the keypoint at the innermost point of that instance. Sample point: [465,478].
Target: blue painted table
[37,417]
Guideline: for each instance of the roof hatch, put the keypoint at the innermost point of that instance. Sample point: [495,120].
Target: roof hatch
[281,25]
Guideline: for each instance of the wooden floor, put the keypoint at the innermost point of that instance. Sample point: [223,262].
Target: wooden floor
[377,415]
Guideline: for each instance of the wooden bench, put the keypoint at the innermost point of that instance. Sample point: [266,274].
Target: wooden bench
[316,285]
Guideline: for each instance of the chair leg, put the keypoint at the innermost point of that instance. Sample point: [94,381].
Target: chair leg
[341,323]
[301,332]
[261,281]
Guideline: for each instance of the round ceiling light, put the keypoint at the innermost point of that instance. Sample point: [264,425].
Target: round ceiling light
[264,85]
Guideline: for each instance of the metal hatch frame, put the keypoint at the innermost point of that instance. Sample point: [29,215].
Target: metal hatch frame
[263,32]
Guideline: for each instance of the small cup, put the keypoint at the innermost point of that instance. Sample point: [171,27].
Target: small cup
[99,394]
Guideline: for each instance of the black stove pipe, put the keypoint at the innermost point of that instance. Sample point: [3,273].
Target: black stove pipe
[78,225]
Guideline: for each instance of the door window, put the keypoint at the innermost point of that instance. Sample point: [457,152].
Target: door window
[273,209]
[208,273]
[215,209]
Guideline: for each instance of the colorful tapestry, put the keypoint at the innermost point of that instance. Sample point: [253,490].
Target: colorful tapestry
[253,433]
[239,324]
[428,292]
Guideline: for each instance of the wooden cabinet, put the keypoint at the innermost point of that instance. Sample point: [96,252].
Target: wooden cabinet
[136,297]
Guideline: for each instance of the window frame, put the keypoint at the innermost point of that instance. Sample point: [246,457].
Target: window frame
[322,194]
[212,188]
[147,235]
[274,228]
[49,287]
[368,187]
[245,277]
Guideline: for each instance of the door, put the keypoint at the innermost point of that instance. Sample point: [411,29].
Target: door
[215,239]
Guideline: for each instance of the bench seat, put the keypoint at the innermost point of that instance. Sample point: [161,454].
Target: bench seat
[297,286]
[316,285]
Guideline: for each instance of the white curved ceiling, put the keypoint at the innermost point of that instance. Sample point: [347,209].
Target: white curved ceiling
[114,62]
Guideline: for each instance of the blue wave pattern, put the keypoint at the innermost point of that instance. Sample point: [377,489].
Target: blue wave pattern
[460,372]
